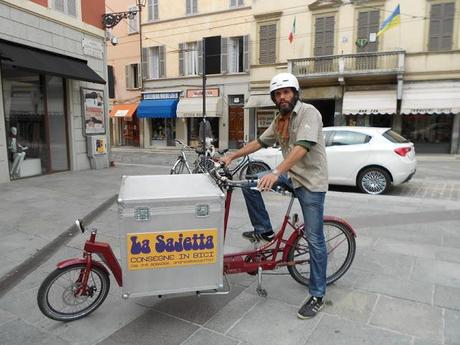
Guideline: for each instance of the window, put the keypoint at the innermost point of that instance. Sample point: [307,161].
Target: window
[213,50]
[236,3]
[324,35]
[153,59]
[152,8]
[394,137]
[441,26]
[235,54]
[267,43]
[191,6]
[133,24]
[368,22]
[190,58]
[111,81]
[132,76]
[68,7]
[349,138]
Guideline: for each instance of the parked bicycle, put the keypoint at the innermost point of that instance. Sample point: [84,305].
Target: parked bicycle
[79,286]
[205,162]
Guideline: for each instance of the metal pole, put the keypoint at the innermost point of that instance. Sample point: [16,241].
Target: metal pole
[204,94]
[139,6]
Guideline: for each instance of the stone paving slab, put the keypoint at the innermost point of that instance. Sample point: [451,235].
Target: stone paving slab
[206,337]
[447,297]
[437,272]
[412,318]
[19,332]
[452,334]
[333,330]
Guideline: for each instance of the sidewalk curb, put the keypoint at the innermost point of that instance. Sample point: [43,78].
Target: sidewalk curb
[14,276]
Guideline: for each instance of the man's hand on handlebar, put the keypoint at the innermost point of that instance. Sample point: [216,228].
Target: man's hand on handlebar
[226,160]
[266,182]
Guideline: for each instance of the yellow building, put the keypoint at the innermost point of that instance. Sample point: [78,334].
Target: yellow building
[407,77]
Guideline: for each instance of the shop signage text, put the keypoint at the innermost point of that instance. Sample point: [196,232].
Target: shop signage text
[191,93]
[172,248]
[430,110]
[163,95]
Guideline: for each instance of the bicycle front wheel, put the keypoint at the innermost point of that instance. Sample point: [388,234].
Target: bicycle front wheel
[62,298]
[179,167]
[341,249]
[253,168]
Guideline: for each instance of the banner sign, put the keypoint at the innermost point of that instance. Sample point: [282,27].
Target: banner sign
[150,250]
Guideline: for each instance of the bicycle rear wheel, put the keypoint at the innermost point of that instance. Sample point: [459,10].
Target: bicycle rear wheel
[59,298]
[179,167]
[253,168]
[341,249]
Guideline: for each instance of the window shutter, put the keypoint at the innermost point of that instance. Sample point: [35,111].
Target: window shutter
[133,23]
[181,59]
[188,7]
[161,58]
[146,73]
[72,8]
[195,6]
[329,35]
[199,45]
[59,5]
[319,36]
[447,26]
[155,9]
[368,22]
[232,3]
[245,53]
[139,77]
[224,55]
[127,77]
[267,45]
[240,2]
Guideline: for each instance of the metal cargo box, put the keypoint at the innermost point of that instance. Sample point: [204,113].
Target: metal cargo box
[171,231]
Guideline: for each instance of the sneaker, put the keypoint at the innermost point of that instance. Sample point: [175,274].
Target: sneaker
[256,237]
[310,308]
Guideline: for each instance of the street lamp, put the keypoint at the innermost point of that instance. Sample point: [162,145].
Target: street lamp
[111,19]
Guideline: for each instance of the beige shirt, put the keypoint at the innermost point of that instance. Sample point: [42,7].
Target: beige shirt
[305,124]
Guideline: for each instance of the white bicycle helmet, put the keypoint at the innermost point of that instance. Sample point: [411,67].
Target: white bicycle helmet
[283,80]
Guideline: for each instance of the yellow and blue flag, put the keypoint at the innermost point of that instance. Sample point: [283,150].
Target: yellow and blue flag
[392,20]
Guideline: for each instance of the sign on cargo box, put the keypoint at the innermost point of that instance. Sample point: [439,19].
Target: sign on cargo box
[171,248]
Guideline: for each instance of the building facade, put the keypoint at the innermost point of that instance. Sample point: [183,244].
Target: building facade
[407,78]
[54,98]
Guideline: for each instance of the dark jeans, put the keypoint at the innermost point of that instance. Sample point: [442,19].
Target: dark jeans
[312,204]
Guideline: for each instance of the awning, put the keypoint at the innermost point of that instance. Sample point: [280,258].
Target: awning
[431,98]
[259,101]
[123,110]
[193,107]
[157,108]
[46,62]
[369,102]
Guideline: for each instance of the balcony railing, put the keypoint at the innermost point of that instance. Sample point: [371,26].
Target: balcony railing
[349,64]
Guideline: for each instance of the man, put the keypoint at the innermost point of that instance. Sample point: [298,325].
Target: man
[298,129]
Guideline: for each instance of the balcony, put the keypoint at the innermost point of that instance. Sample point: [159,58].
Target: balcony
[349,65]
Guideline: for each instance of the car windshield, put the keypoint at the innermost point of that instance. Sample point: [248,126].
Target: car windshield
[394,137]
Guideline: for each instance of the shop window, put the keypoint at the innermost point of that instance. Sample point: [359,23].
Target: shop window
[264,119]
[428,130]
[193,127]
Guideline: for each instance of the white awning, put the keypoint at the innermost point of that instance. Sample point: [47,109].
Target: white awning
[369,102]
[259,101]
[431,98]
[193,107]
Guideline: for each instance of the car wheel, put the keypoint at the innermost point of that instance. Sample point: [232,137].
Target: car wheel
[374,181]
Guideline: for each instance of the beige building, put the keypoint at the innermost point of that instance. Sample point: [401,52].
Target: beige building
[407,78]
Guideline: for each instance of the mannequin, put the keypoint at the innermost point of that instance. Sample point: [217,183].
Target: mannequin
[17,153]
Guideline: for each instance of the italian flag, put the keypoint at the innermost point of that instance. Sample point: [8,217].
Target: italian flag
[292,32]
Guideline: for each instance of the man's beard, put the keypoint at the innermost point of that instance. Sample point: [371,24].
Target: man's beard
[285,108]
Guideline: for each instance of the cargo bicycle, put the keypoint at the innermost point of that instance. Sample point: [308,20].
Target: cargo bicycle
[78,286]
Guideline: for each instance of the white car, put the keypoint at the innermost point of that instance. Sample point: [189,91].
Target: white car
[371,158]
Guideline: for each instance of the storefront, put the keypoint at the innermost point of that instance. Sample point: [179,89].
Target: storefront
[190,113]
[374,108]
[430,116]
[159,113]
[37,86]
[262,112]
[125,125]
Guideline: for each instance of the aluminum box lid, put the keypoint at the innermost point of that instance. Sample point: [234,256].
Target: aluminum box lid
[144,188]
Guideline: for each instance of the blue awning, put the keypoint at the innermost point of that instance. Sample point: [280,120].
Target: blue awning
[158,108]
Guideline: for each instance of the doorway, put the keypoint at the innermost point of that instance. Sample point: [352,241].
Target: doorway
[235,127]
